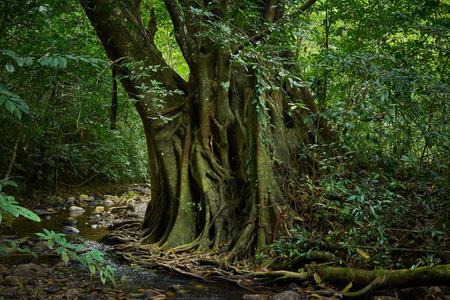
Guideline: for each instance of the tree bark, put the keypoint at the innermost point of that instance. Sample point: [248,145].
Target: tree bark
[422,276]
[217,142]
[13,157]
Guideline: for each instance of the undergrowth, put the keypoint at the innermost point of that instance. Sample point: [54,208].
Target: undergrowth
[368,218]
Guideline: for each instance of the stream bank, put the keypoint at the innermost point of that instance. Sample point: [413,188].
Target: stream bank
[24,277]
[48,277]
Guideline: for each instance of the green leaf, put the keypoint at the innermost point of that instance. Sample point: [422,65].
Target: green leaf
[10,208]
[10,66]
[62,61]
[92,269]
[45,61]
[41,235]
[65,257]
[29,214]
[28,60]
[54,62]
[10,106]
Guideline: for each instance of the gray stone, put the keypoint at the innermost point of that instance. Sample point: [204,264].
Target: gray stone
[94,218]
[108,202]
[70,229]
[286,295]
[76,210]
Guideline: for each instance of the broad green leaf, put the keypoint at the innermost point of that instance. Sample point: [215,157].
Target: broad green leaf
[65,257]
[54,62]
[10,208]
[29,214]
[62,61]
[45,61]
[10,106]
[10,66]
[28,60]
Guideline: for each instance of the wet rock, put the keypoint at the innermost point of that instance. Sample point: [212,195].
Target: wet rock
[83,198]
[433,290]
[70,230]
[254,297]
[76,210]
[94,218]
[286,295]
[42,212]
[70,221]
[109,200]
[98,210]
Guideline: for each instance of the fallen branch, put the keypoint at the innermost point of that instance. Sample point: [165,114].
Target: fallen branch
[438,275]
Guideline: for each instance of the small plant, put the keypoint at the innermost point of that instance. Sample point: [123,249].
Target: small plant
[92,259]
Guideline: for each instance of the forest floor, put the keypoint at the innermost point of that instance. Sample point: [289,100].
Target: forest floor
[27,279]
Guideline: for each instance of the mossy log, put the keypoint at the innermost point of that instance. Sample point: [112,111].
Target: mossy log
[315,255]
[438,275]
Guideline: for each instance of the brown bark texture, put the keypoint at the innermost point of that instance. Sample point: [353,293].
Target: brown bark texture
[221,143]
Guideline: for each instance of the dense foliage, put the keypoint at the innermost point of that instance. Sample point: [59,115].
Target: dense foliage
[380,74]
[52,67]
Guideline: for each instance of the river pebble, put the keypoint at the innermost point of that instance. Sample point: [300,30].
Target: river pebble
[70,229]
[76,210]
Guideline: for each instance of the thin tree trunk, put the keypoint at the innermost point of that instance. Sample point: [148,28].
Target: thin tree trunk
[13,157]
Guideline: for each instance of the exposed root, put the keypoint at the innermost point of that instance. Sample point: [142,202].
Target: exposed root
[221,266]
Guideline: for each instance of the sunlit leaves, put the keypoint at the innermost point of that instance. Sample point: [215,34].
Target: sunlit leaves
[9,207]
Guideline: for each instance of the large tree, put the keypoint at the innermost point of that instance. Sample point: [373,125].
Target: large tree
[222,142]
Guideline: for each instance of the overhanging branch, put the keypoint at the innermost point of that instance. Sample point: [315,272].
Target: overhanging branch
[308,4]
[181,30]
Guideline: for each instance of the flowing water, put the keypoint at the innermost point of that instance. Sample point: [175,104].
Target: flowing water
[129,278]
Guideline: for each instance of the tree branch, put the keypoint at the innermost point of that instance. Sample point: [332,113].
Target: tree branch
[308,4]
[181,30]
[122,34]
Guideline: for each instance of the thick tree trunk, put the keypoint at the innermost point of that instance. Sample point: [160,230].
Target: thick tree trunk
[216,143]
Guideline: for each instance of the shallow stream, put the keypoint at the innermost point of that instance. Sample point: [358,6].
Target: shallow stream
[129,278]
